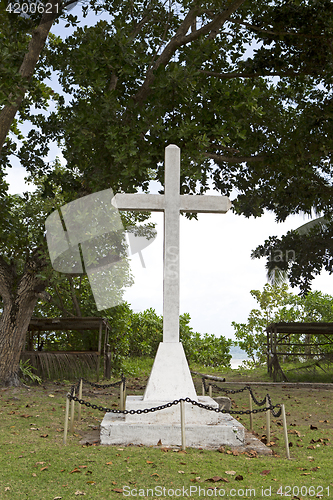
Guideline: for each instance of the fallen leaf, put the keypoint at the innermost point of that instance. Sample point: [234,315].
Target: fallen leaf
[51,395]
[155,474]
[182,463]
[109,463]
[149,462]
[295,432]
[75,470]
[181,472]
[78,492]
[214,479]
[118,490]
[83,466]
[221,449]
[231,472]
[34,474]
[57,498]
[159,443]
[313,427]
[235,453]
[44,468]
[239,478]
[306,474]
[91,482]
[44,436]
[265,472]
[7,488]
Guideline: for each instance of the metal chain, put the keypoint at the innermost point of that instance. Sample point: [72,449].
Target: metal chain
[246,388]
[173,403]
[93,384]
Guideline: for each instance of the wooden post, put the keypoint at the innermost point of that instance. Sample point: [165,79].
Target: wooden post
[121,405]
[182,423]
[124,396]
[72,413]
[268,422]
[66,421]
[251,414]
[210,390]
[285,431]
[268,354]
[80,397]
[203,387]
[99,350]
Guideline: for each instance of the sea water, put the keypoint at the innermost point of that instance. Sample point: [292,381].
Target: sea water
[238,356]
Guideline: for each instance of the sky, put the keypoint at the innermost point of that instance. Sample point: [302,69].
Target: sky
[216,269]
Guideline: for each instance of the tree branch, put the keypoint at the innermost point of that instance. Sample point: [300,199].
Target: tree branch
[229,76]
[5,281]
[233,159]
[27,68]
[74,297]
[277,33]
[181,39]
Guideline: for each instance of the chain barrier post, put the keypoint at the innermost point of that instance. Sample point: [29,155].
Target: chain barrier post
[251,414]
[124,396]
[66,420]
[268,421]
[210,390]
[80,397]
[182,423]
[72,413]
[203,386]
[285,431]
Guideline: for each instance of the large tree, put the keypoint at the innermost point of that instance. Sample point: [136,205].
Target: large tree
[243,87]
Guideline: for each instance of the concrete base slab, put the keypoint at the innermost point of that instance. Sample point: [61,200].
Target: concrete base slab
[115,431]
[203,428]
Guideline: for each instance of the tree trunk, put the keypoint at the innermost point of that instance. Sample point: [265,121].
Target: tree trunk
[19,296]
[13,329]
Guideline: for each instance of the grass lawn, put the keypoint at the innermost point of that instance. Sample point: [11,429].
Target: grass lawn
[36,465]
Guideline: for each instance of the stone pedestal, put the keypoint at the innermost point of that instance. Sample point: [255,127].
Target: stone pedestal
[170,377]
[203,428]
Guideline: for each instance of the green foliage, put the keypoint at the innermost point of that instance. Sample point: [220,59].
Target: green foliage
[147,331]
[312,251]
[276,304]
[27,374]
[145,334]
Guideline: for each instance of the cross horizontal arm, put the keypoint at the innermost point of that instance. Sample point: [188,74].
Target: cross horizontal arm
[139,202]
[202,204]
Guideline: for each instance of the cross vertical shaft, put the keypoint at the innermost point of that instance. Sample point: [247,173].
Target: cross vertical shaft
[171,245]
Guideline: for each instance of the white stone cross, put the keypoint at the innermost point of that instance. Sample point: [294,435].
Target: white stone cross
[171,203]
